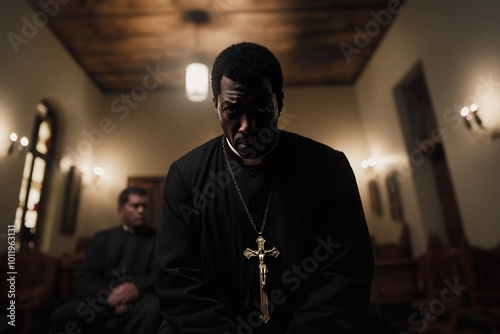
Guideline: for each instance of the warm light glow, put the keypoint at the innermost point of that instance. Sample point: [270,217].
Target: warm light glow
[42,109]
[372,162]
[34,199]
[473,107]
[44,134]
[464,112]
[197,82]
[38,172]
[17,221]
[24,141]
[30,219]
[99,171]
[13,136]
[65,163]
[368,162]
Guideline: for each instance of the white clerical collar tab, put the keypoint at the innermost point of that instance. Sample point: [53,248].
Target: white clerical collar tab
[128,229]
[249,162]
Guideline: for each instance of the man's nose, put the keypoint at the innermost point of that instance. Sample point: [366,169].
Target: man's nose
[247,124]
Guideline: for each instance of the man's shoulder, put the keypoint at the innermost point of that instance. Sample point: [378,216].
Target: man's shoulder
[112,232]
[107,232]
[148,231]
[304,145]
[310,155]
[101,237]
[198,154]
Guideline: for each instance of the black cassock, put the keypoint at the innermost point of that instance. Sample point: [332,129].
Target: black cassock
[319,283]
[113,257]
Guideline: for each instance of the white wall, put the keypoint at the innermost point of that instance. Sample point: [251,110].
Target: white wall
[40,68]
[458,45]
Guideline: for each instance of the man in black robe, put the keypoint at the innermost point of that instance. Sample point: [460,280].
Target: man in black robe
[114,282]
[263,230]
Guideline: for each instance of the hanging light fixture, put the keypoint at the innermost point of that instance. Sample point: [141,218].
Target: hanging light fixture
[197,78]
[197,82]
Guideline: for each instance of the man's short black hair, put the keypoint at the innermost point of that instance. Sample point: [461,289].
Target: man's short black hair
[132,190]
[244,62]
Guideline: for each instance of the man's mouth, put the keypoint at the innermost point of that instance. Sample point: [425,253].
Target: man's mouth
[243,142]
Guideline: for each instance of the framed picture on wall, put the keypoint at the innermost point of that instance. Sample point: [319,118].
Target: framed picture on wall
[71,199]
[394,197]
[375,198]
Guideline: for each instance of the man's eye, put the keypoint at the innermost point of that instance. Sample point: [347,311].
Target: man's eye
[229,109]
[265,109]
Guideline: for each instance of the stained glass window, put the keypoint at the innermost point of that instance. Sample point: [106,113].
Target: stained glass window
[31,194]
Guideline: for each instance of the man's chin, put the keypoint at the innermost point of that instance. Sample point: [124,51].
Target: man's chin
[253,150]
[249,153]
[252,154]
[140,223]
[245,151]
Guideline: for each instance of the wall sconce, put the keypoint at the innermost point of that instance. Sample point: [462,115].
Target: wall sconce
[13,139]
[368,163]
[469,113]
[98,174]
[23,143]
[471,116]
[98,171]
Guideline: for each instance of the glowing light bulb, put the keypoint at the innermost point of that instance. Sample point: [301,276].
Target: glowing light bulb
[464,112]
[197,82]
[24,141]
[99,171]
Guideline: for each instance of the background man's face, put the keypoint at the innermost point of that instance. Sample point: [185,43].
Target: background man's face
[134,212]
[249,115]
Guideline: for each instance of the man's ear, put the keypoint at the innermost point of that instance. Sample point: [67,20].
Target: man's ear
[280,99]
[216,109]
[214,100]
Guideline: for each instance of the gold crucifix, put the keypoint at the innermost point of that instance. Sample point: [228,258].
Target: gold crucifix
[262,253]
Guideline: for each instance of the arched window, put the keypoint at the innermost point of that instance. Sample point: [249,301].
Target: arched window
[31,194]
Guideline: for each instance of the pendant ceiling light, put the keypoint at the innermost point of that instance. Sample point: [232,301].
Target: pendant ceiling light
[197,82]
[197,78]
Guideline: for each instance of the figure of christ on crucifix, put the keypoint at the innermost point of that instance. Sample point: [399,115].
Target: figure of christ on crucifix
[262,253]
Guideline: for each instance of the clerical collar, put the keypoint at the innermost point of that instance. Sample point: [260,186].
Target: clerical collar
[128,229]
[251,162]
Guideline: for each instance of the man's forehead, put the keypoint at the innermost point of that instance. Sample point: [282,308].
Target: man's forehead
[258,87]
[136,199]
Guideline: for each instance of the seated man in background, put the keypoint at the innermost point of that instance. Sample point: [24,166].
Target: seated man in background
[114,282]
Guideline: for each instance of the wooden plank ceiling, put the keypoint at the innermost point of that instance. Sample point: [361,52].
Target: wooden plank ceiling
[116,40]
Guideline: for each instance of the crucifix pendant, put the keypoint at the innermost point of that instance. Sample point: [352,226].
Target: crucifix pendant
[262,253]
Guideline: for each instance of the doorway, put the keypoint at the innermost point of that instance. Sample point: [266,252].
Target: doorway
[424,143]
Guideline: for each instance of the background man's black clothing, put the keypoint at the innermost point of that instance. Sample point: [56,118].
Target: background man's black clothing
[114,256]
